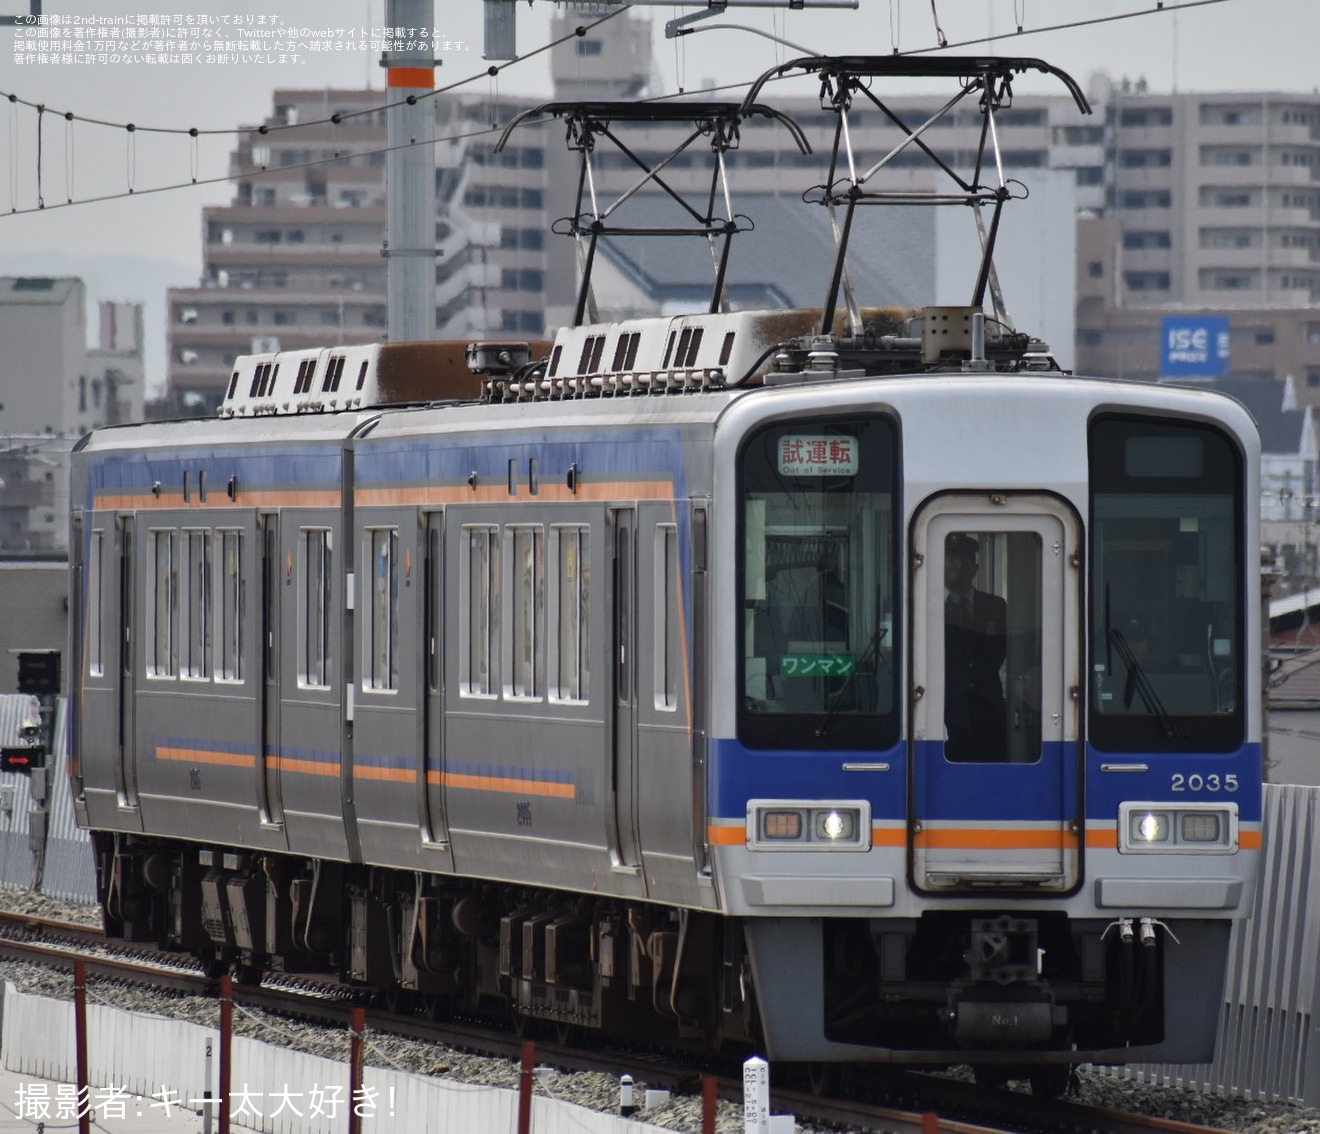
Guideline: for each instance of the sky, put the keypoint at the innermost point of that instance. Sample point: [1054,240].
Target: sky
[132,247]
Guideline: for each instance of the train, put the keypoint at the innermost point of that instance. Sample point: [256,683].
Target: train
[856,687]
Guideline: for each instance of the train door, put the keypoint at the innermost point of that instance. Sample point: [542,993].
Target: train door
[996,785]
[126,764]
[670,782]
[269,799]
[623,737]
[389,723]
[434,827]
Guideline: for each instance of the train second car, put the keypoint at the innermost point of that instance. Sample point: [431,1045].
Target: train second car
[855,690]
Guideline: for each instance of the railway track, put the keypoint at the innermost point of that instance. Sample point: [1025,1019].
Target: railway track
[896,1103]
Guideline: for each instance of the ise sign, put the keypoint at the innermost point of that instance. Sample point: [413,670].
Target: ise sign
[1195,346]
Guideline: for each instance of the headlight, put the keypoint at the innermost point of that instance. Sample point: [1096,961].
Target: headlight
[782,824]
[836,826]
[1148,827]
[1206,828]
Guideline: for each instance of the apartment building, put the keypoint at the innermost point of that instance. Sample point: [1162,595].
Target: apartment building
[54,387]
[1213,207]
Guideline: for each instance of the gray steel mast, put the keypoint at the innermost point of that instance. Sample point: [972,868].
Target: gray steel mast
[410,177]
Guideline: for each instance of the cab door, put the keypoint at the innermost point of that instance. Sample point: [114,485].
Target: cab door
[434,825]
[624,853]
[996,761]
[269,800]
[126,788]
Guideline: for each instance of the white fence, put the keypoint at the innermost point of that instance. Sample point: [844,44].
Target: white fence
[272,1089]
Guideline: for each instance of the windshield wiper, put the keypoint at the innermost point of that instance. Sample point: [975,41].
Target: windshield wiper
[872,647]
[1145,690]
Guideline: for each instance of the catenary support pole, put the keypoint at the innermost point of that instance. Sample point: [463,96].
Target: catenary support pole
[226,1039]
[525,1087]
[355,1071]
[80,1039]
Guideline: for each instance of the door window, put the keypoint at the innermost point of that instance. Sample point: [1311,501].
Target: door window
[992,646]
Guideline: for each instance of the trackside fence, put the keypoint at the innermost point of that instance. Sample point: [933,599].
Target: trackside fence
[273,1089]
[1265,1048]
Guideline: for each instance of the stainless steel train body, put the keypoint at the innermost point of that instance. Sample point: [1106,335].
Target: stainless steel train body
[631,709]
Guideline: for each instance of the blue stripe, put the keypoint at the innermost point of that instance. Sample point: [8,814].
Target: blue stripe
[301,466]
[1106,790]
[981,792]
[446,459]
[738,774]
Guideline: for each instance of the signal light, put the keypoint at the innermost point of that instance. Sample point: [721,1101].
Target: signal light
[22,759]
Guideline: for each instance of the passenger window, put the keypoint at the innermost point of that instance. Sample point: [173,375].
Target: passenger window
[526,623]
[195,632]
[479,587]
[314,608]
[668,664]
[95,581]
[570,679]
[229,607]
[162,639]
[382,669]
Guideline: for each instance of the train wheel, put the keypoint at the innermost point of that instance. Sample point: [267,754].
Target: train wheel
[1051,1082]
[249,973]
[527,1027]
[438,1006]
[213,965]
[990,1078]
[824,1078]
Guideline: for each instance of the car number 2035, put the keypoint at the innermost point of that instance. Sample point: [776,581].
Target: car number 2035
[1198,782]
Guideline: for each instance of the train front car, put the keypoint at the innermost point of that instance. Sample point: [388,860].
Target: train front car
[849,684]
[988,788]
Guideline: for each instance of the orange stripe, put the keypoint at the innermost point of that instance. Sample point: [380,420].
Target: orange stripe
[410,77]
[726,836]
[198,756]
[888,836]
[504,784]
[1106,838]
[309,767]
[976,839]
[398,775]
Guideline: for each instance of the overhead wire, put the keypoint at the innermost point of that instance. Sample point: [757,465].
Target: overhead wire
[1161,6]
[491,72]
